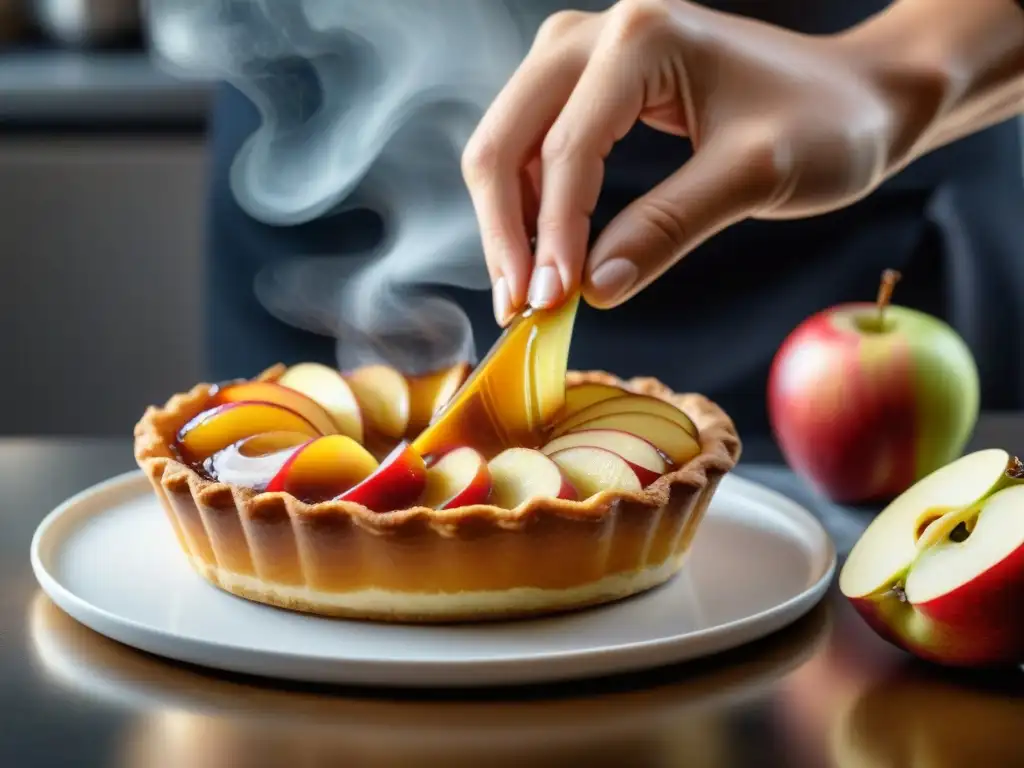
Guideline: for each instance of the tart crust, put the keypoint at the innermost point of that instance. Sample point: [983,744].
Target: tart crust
[475,563]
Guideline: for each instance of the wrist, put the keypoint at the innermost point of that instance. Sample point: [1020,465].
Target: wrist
[936,62]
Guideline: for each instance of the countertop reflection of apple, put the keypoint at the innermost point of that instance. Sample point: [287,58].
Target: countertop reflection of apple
[195,719]
[926,720]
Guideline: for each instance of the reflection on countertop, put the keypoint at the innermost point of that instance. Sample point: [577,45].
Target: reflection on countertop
[186,716]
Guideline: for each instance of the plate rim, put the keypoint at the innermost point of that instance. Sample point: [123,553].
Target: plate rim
[553,666]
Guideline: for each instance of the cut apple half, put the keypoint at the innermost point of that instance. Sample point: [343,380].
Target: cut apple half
[383,394]
[521,474]
[459,479]
[628,403]
[269,392]
[580,396]
[223,425]
[673,441]
[396,484]
[643,458]
[886,549]
[515,392]
[254,461]
[593,470]
[323,468]
[329,389]
[996,538]
[429,393]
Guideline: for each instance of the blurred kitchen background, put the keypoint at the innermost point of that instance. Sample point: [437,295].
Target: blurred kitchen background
[102,163]
[102,166]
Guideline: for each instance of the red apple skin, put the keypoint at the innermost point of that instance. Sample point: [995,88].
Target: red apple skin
[979,624]
[476,491]
[397,483]
[862,416]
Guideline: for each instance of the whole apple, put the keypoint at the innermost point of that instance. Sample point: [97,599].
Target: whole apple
[865,399]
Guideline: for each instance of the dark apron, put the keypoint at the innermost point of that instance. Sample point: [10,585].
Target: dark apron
[953,223]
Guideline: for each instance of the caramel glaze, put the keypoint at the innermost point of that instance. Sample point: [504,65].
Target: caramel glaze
[551,545]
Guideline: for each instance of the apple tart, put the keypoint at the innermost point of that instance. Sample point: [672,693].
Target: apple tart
[513,489]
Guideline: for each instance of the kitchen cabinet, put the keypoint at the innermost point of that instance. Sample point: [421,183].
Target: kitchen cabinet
[100,278]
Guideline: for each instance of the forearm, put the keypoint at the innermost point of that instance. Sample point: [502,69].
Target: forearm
[949,67]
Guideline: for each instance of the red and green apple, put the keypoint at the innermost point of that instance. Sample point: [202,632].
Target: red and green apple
[865,399]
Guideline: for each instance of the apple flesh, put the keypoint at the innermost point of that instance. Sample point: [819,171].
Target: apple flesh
[459,479]
[940,571]
[223,425]
[396,484]
[329,389]
[580,396]
[383,395]
[254,461]
[429,393]
[521,474]
[642,457]
[667,436]
[269,392]
[627,403]
[593,470]
[861,408]
[323,468]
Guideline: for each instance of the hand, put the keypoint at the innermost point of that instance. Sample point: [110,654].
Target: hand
[783,125]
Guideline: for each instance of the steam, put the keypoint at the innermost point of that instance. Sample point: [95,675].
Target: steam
[399,87]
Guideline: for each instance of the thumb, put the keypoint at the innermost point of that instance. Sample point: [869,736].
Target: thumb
[719,186]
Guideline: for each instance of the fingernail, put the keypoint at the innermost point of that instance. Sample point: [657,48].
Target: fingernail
[502,301]
[545,287]
[613,278]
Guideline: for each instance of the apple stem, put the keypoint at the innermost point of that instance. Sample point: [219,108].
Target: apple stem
[889,279]
[1015,468]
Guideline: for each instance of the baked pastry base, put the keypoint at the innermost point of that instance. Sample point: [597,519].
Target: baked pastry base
[424,608]
[423,565]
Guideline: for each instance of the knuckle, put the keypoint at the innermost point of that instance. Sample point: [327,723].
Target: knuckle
[557,146]
[666,225]
[633,21]
[480,159]
[559,25]
[766,159]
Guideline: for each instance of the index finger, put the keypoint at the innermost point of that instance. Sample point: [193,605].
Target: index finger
[509,133]
[605,104]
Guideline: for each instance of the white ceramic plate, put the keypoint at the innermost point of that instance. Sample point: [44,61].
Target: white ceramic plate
[107,557]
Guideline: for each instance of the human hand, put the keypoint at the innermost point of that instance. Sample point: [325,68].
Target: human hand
[783,125]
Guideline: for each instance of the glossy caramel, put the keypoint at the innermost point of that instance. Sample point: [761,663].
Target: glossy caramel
[512,397]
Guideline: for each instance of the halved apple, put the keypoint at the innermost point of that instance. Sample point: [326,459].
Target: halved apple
[329,389]
[223,425]
[515,392]
[269,392]
[324,468]
[396,484]
[521,474]
[383,395]
[642,457]
[668,437]
[430,392]
[593,470]
[254,461]
[628,403]
[953,596]
[459,479]
[580,396]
